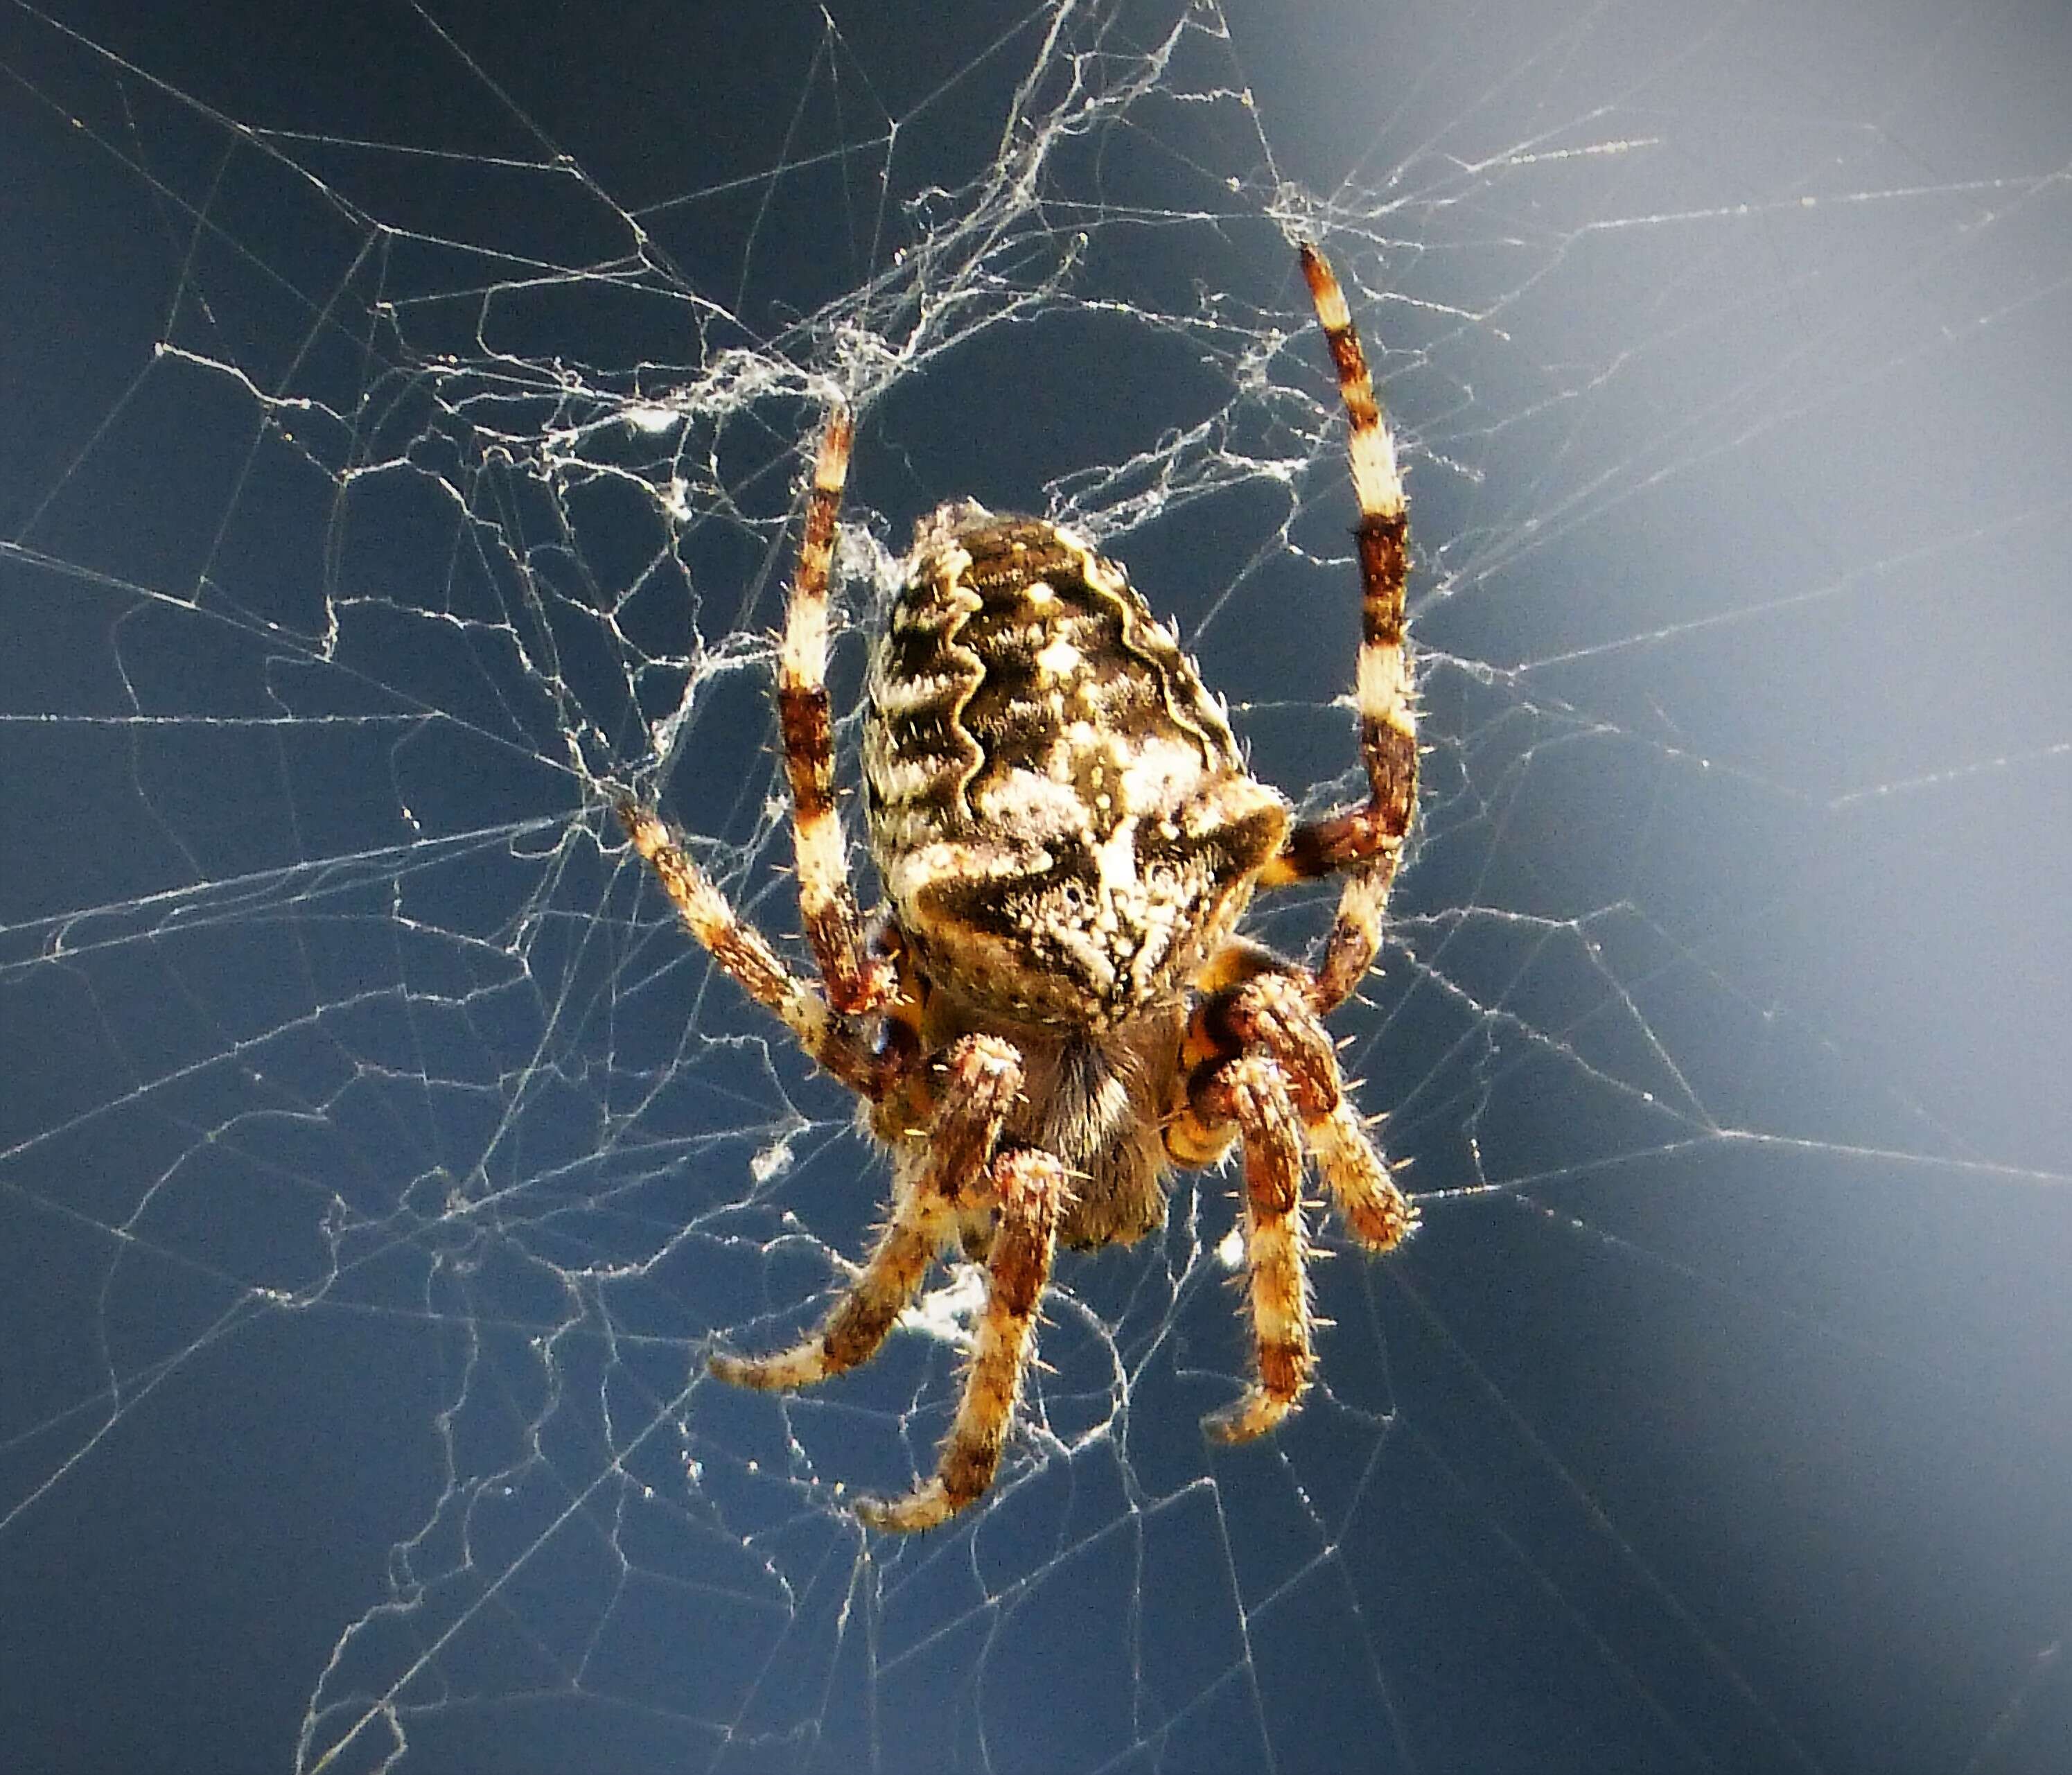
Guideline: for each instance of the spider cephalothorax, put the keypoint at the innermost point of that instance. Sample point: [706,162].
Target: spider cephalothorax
[1053,1010]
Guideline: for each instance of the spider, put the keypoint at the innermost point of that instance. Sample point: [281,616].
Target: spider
[1054,1010]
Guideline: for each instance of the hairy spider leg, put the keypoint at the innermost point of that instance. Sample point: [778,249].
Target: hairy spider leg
[1251,1092]
[944,1178]
[1027,1186]
[845,1046]
[1272,1014]
[932,1174]
[857,981]
[1370,1201]
[1366,841]
[1266,1010]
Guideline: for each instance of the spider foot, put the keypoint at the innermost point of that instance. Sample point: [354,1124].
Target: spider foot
[1382,1223]
[782,1370]
[924,1508]
[1253,1414]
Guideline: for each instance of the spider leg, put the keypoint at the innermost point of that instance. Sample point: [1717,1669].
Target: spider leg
[932,1181]
[1028,1186]
[1366,840]
[868,1064]
[1251,1092]
[1268,1010]
[1373,1208]
[857,981]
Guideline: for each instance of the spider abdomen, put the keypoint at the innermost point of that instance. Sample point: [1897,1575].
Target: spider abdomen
[1058,808]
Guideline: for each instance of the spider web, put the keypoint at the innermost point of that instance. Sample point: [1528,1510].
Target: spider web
[407,405]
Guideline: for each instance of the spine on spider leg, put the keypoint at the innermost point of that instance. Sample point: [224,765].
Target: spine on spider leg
[912,1236]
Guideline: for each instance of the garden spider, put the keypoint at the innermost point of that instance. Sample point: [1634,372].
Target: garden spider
[1053,1009]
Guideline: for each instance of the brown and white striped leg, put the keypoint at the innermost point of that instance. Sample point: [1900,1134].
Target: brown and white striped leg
[1028,1187]
[857,981]
[1268,1012]
[868,1064]
[1250,1092]
[933,1183]
[1366,841]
